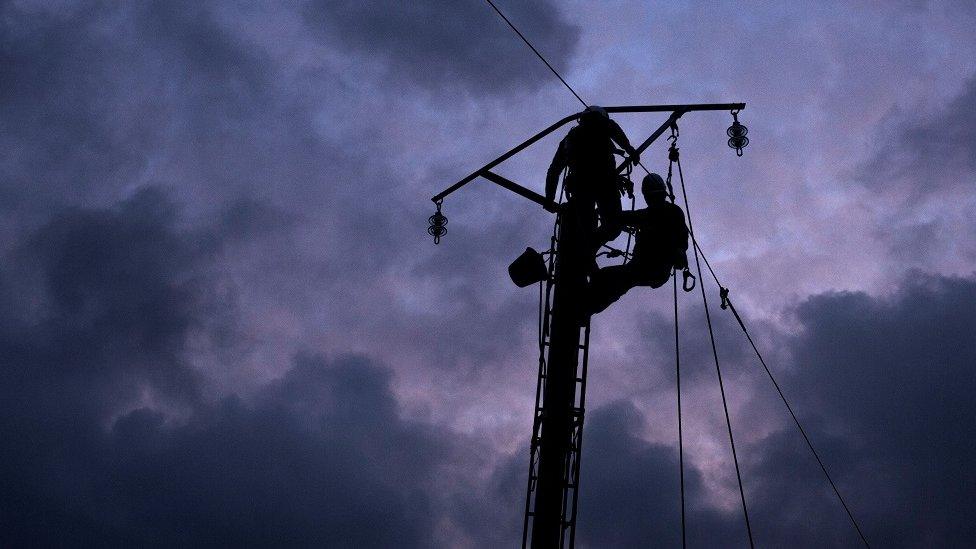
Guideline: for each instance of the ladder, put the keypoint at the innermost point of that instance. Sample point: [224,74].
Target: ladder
[571,468]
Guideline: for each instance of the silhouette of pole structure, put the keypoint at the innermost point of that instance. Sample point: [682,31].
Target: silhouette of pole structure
[550,516]
[560,414]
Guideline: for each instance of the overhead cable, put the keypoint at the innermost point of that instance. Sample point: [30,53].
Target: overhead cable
[529,44]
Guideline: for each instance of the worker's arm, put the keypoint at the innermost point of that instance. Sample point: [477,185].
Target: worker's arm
[559,162]
[620,138]
[632,218]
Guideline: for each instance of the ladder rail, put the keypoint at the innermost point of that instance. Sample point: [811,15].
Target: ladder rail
[571,465]
[578,435]
[544,325]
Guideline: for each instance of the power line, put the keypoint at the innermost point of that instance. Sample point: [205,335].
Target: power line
[561,79]
[529,44]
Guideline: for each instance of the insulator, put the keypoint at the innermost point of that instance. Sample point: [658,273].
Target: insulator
[737,130]
[738,143]
[438,225]
[737,135]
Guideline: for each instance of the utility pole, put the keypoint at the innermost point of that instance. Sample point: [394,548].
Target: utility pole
[558,422]
[559,412]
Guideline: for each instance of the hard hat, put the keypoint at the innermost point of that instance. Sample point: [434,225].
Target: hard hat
[596,109]
[653,183]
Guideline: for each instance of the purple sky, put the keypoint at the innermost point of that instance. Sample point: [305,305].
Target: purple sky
[222,321]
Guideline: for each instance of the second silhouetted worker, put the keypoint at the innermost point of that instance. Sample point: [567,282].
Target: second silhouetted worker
[661,245]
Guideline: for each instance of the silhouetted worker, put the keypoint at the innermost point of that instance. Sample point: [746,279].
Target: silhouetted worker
[661,245]
[587,150]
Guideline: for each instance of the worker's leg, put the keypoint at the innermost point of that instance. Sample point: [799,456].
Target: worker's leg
[578,226]
[653,275]
[608,204]
[608,285]
[656,276]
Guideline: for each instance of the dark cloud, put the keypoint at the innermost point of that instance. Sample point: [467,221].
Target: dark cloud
[490,514]
[885,385]
[923,173]
[630,493]
[108,293]
[320,458]
[292,205]
[110,438]
[444,45]
[929,154]
[90,97]
[102,101]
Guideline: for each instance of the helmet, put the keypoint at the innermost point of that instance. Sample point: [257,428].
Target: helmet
[595,110]
[653,183]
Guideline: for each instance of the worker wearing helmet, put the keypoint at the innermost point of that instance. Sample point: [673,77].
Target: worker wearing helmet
[661,245]
[587,150]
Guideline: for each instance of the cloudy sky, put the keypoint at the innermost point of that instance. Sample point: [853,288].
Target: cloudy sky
[223,323]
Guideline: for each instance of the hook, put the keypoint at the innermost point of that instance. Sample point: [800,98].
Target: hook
[688,276]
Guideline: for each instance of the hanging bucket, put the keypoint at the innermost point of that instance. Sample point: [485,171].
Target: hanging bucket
[528,269]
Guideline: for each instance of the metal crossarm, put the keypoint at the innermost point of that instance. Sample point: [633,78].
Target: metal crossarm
[484,171]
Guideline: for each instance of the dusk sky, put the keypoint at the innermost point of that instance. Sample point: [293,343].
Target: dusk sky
[222,321]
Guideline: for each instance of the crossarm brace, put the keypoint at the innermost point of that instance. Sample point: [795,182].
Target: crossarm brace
[653,137]
[549,205]
[518,148]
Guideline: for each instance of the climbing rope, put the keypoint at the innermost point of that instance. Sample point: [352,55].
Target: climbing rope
[675,158]
[727,304]
[677,376]
[677,353]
